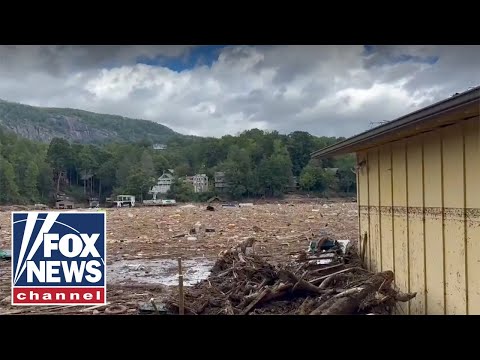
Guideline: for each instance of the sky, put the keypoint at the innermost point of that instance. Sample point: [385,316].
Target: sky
[334,90]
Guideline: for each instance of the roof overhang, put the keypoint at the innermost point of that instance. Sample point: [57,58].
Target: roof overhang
[443,113]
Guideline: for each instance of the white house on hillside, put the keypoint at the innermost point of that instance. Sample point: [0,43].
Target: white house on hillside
[164,184]
[159,147]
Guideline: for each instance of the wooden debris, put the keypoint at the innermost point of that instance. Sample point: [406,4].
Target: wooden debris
[241,284]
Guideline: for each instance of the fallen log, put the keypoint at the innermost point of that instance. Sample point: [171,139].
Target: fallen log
[321,278]
[202,307]
[306,306]
[303,285]
[329,280]
[255,302]
[349,301]
[326,269]
[298,283]
[179,236]
[280,291]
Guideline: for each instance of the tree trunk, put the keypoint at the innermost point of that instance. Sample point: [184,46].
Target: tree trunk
[348,301]
[58,181]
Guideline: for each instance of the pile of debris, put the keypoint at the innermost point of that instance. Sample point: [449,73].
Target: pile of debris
[327,279]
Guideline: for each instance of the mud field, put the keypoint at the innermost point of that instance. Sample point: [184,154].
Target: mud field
[143,245]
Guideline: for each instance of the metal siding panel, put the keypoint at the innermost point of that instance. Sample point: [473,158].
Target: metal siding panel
[472,167]
[454,225]
[415,225]
[374,213]
[435,286]
[385,170]
[400,221]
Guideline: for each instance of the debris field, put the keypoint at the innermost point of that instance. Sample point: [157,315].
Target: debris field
[252,259]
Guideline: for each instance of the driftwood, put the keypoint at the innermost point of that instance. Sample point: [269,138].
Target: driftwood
[280,291]
[326,269]
[179,235]
[299,283]
[242,283]
[255,302]
[321,278]
[348,302]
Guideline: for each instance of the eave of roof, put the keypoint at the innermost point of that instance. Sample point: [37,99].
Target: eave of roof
[451,110]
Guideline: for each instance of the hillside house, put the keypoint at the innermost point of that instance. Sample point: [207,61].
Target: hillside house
[159,147]
[64,204]
[419,204]
[199,182]
[220,181]
[294,184]
[163,185]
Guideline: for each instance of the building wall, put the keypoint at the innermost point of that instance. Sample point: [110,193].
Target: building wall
[419,203]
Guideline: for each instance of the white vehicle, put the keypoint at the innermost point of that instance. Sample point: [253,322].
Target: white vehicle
[125,200]
[159,202]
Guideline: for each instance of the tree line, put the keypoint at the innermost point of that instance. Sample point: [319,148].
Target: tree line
[256,163]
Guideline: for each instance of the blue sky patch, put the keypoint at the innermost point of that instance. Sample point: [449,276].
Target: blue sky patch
[389,58]
[198,56]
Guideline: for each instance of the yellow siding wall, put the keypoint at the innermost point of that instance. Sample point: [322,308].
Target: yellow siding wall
[420,208]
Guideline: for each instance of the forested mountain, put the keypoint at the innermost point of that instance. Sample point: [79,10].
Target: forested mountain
[256,164]
[44,124]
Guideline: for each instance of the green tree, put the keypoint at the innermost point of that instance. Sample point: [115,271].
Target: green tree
[45,180]
[29,182]
[147,165]
[181,191]
[300,146]
[275,173]
[314,178]
[238,172]
[59,156]
[8,187]
[160,164]
[139,183]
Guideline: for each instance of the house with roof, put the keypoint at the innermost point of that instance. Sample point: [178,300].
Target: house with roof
[163,184]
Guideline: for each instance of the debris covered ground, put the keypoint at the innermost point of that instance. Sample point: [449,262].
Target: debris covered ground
[143,245]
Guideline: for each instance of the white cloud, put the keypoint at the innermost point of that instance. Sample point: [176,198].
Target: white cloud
[326,90]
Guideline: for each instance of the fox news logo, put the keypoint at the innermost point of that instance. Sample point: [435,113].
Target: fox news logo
[58,258]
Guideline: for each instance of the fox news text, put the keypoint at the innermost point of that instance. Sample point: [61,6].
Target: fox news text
[58,258]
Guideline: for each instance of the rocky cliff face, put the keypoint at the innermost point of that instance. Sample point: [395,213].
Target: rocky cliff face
[44,124]
[65,127]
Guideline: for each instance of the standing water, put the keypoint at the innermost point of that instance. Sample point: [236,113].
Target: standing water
[163,272]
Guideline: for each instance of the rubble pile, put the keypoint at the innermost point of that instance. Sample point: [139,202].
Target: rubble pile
[317,282]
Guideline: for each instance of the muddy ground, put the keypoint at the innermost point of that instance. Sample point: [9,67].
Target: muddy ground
[143,244]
